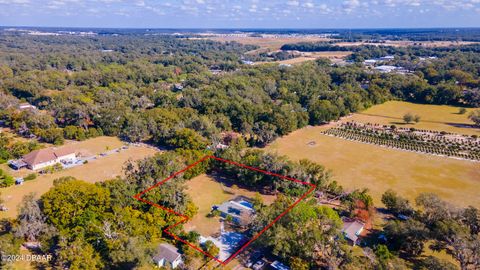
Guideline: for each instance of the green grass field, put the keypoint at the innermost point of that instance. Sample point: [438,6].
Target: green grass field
[433,117]
[358,165]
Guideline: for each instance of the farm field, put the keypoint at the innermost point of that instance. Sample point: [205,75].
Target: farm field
[270,43]
[206,192]
[101,169]
[334,56]
[433,117]
[358,165]
[406,43]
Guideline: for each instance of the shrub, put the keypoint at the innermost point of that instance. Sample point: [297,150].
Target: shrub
[5,179]
[29,177]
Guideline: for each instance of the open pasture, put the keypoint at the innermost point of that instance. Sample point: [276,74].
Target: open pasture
[334,56]
[433,117]
[271,43]
[359,165]
[407,43]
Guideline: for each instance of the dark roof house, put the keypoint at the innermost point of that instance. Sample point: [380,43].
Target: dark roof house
[167,255]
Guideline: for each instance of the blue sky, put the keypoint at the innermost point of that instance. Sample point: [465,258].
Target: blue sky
[241,13]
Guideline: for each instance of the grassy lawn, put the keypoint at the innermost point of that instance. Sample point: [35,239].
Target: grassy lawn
[206,192]
[433,117]
[441,255]
[357,165]
[103,168]
[95,146]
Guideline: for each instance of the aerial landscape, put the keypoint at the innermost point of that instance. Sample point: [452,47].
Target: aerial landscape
[250,134]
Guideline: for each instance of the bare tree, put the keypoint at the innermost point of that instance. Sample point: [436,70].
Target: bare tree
[31,220]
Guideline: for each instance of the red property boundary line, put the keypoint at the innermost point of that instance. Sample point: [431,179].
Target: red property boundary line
[185,218]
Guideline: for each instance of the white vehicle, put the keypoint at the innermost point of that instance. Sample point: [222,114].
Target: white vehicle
[259,265]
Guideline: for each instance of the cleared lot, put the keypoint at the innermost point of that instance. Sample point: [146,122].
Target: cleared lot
[207,192]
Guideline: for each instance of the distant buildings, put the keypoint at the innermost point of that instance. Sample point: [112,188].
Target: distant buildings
[167,255]
[374,61]
[370,62]
[387,58]
[386,69]
[26,106]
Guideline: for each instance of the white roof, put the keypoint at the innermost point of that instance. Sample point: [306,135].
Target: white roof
[386,68]
[352,228]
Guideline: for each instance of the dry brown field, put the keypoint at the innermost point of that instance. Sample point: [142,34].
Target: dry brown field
[358,165]
[270,43]
[334,56]
[433,117]
[406,43]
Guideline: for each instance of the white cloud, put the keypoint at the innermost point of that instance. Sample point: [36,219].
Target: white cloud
[15,2]
[350,5]
[293,3]
[309,5]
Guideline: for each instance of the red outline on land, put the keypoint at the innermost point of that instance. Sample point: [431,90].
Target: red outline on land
[185,218]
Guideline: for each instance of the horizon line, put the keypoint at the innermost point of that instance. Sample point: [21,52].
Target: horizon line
[244,28]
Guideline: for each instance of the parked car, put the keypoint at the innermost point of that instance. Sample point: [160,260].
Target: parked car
[259,265]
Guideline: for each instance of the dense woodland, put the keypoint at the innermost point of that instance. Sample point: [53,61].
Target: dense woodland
[131,92]
[160,90]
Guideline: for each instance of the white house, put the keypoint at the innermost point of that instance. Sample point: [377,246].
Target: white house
[167,255]
[387,58]
[42,158]
[386,69]
[26,106]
